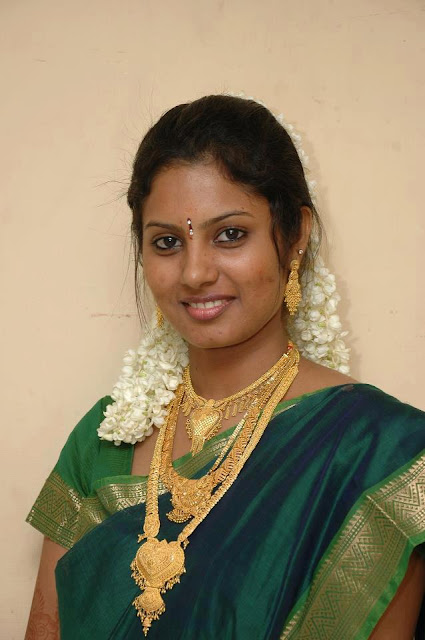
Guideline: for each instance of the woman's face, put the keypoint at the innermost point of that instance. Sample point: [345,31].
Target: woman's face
[223,284]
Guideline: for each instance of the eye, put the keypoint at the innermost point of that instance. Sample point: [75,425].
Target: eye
[166,242]
[231,235]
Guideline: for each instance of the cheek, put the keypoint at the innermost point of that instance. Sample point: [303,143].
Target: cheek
[263,277]
[268,277]
[159,275]
[148,274]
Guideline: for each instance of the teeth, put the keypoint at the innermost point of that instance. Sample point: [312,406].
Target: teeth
[206,305]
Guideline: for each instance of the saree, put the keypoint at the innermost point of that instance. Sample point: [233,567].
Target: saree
[310,542]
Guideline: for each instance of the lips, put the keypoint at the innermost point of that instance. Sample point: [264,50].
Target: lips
[206,307]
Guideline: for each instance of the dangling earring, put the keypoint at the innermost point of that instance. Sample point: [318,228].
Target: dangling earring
[292,295]
[159,317]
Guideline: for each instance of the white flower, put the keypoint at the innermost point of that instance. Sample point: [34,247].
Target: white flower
[331,305]
[324,336]
[329,287]
[310,348]
[314,315]
[306,335]
[146,387]
[300,323]
[317,295]
[322,350]
[334,322]
[344,369]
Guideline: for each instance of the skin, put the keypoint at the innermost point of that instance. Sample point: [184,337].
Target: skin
[230,351]
[43,623]
[226,353]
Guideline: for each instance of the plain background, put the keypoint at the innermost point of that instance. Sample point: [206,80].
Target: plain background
[80,83]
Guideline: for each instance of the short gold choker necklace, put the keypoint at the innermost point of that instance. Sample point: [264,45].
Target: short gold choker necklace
[158,565]
[205,416]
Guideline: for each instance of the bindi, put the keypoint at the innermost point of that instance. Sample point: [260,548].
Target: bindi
[189,223]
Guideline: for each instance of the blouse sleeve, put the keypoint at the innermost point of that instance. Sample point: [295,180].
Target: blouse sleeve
[56,510]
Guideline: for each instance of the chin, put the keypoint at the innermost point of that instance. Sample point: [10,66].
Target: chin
[213,339]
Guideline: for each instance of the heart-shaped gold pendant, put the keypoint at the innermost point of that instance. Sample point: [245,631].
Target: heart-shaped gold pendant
[158,562]
[157,567]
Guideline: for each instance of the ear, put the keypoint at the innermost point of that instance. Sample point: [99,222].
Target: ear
[303,237]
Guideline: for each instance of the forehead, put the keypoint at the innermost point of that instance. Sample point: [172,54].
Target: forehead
[199,191]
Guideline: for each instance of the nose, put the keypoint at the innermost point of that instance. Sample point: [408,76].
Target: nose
[199,267]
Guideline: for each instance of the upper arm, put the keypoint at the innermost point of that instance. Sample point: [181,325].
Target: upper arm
[399,620]
[43,621]
[56,510]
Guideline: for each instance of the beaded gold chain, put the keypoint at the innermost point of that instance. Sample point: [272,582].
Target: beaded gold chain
[158,565]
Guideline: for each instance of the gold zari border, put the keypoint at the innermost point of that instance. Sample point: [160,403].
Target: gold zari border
[117,496]
[55,512]
[363,559]
[108,500]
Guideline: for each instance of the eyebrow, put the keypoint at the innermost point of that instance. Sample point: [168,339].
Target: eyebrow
[204,225]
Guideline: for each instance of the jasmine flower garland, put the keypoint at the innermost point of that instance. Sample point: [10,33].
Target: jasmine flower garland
[146,386]
[316,328]
[151,374]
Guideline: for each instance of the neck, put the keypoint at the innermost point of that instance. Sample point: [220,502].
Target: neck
[220,372]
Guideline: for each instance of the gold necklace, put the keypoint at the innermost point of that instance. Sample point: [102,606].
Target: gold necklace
[189,495]
[158,565]
[206,416]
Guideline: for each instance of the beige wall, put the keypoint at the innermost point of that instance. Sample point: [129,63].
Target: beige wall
[80,82]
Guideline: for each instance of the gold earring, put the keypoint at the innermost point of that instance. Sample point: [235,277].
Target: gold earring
[292,295]
[159,317]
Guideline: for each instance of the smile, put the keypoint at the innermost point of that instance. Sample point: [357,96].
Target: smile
[206,310]
[206,305]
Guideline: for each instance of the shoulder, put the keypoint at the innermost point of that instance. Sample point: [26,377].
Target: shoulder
[82,447]
[378,425]
[376,409]
[85,431]
[313,377]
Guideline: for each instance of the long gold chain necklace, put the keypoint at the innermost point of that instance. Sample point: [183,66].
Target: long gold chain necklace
[205,416]
[158,565]
[189,495]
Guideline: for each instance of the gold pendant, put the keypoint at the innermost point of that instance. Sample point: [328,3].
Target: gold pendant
[157,567]
[203,423]
[189,498]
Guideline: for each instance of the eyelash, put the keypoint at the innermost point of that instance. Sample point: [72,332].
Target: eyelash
[239,231]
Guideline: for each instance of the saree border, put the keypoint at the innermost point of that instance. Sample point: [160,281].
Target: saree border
[116,493]
[56,510]
[365,563]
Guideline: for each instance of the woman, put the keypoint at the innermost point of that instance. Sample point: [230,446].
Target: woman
[279,498]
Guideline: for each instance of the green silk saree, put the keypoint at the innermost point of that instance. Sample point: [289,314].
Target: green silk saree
[311,541]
